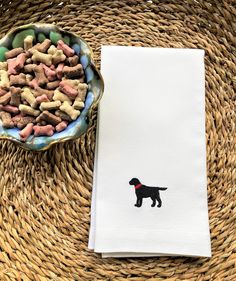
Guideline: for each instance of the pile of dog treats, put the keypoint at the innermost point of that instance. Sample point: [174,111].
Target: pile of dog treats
[42,88]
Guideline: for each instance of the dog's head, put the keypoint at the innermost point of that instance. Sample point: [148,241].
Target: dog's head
[134,181]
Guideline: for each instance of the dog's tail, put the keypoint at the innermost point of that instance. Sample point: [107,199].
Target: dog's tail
[162,188]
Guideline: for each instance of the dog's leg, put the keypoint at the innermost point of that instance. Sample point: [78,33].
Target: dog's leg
[153,201]
[140,202]
[137,202]
[159,202]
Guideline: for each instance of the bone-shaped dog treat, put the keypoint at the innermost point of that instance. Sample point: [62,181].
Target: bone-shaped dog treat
[41,57]
[13,53]
[52,50]
[4,80]
[3,65]
[21,121]
[6,119]
[15,96]
[49,117]
[28,42]
[33,83]
[43,47]
[5,98]
[69,52]
[29,97]
[63,115]
[68,109]
[59,70]
[53,85]
[29,78]
[58,56]
[82,91]
[42,123]
[18,79]
[15,64]
[28,110]
[50,74]
[28,61]
[73,61]
[42,98]
[9,108]
[68,90]
[39,75]
[47,130]
[26,132]
[78,104]
[29,68]
[73,71]
[2,92]
[61,126]
[40,91]
[50,105]
[61,97]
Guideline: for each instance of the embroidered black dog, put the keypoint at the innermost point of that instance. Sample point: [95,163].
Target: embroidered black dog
[143,191]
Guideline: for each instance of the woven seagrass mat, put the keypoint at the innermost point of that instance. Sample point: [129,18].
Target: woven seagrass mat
[45,197]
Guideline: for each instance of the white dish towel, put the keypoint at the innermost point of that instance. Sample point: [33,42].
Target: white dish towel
[151,136]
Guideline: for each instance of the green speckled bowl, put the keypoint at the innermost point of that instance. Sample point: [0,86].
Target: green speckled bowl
[75,129]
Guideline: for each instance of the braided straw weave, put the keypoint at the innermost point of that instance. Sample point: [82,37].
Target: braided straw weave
[45,197]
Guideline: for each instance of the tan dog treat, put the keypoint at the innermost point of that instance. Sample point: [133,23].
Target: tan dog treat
[4,80]
[78,104]
[33,48]
[68,109]
[43,47]
[15,96]
[29,97]
[49,117]
[5,99]
[26,132]
[33,83]
[3,65]
[82,91]
[73,61]
[6,119]
[28,110]
[42,98]
[59,70]
[20,121]
[18,79]
[2,92]
[40,91]
[50,74]
[53,85]
[68,90]
[47,130]
[13,53]
[63,115]
[58,56]
[28,78]
[9,108]
[29,68]
[61,97]
[42,123]
[41,57]
[73,71]
[28,42]
[53,105]
[39,75]
[29,61]
[61,126]
[68,51]
[52,50]
[82,79]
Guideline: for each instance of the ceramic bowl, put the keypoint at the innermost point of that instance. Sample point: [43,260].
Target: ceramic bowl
[75,129]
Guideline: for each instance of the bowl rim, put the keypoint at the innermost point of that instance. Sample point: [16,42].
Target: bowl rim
[93,105]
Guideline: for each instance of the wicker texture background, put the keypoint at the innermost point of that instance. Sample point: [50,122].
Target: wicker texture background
[45,197]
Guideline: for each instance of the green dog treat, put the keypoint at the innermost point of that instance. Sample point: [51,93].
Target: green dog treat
[66,39]
[41,37]
[18,41]
[3,50]
[55,36]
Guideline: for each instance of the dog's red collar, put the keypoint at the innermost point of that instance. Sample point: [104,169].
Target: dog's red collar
[138,186]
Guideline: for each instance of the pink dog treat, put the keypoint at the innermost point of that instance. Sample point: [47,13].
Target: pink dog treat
[18,79]
[33,83]
[42,98]
[68,90]
[73,71]
[47,130]
[14,65]
[13,53]
[53,85]
[5,99]
[9,108]
[26,132]
[59,70]
[69,52]
[61,126]
[39,75]
[2,92]
[50,74]
[15,96]
[6,119]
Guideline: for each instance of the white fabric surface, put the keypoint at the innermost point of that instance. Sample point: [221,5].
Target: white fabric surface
[152,127]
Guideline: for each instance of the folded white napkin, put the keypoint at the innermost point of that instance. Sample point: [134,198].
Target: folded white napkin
[150,189]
